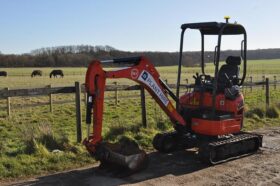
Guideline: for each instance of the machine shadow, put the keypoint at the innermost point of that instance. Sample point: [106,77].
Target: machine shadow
[177,163]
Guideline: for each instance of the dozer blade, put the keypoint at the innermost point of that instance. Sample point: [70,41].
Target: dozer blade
[121,159]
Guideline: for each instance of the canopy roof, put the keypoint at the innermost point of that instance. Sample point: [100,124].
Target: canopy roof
[213,28]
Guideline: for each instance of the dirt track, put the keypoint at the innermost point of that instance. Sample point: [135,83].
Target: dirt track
[183,168]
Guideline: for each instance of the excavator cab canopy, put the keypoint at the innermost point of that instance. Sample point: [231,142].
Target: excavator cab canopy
[219,29]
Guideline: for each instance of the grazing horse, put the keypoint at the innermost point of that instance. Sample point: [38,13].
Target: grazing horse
[36,73]
[56,73]
[3,73]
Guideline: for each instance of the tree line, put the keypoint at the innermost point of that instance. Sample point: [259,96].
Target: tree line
[82,55]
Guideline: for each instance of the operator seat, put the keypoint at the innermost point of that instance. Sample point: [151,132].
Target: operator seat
[231,69]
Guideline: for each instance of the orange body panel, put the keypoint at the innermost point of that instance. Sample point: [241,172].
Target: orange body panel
[195,100]
[215,127]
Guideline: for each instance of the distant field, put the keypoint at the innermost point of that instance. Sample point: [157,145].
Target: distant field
[20,77]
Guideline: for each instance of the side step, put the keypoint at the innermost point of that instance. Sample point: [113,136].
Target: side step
[240,145]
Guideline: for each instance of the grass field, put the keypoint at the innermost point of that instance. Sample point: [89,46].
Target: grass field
[35,141]
[20,77]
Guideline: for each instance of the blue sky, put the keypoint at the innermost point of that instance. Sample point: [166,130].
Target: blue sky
[146,25]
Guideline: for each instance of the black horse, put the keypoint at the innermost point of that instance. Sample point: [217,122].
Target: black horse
[56,73]
[3,73]
[36,73]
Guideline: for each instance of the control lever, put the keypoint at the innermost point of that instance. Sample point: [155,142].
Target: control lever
[230,81]
[197,79]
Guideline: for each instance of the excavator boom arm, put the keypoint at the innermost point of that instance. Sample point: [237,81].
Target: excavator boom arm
[142,72]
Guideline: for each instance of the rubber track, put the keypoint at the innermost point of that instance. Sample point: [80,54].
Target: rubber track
[238,138]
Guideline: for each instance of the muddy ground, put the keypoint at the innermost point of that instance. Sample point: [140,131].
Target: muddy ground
[183,168]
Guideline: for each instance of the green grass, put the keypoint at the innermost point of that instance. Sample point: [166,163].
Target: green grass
[29,136]
[21,156]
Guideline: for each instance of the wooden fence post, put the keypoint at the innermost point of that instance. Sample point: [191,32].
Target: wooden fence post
[116,94]
[143,106]
[8,104]
[251,81]
[275,82]
[264,80]
[78,111]
[50,100]
[267,92]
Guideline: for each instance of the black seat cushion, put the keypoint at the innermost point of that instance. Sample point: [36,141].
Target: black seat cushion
[231,69]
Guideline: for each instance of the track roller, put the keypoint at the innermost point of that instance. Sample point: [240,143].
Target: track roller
[172,141]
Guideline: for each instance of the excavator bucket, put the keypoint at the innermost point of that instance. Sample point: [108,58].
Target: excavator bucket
[120,159]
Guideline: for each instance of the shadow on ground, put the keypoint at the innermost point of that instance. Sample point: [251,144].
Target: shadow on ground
[177,163]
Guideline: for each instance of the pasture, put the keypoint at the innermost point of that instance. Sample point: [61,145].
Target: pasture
[21,77]
[36,141]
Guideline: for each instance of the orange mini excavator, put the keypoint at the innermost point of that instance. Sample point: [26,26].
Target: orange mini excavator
[210,117]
